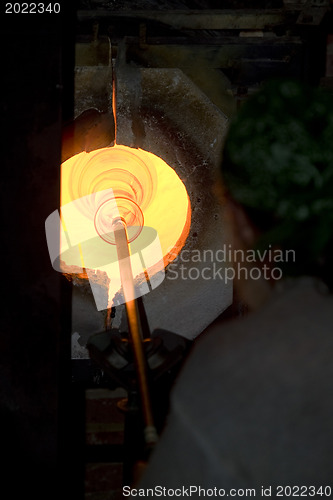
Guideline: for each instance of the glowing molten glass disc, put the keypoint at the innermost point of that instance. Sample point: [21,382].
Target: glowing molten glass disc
[147,193]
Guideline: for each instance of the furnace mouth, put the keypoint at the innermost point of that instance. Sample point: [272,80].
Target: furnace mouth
[135,185]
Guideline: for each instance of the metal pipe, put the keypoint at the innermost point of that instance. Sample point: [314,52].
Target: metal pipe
[135,330]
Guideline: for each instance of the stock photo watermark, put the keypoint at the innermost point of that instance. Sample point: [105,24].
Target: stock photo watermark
[228,264]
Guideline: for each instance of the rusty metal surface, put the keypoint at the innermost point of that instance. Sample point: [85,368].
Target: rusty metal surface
[93,50]
[93,88]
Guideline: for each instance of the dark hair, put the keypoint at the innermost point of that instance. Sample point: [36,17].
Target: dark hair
[278,163]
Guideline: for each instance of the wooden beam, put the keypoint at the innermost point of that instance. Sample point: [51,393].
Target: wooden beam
[242,19]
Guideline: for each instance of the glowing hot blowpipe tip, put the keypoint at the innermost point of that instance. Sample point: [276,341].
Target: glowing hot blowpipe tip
[135,330]
[121,240]
[127,210]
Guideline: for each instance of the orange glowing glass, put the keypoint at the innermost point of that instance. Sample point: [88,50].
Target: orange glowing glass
[147,193]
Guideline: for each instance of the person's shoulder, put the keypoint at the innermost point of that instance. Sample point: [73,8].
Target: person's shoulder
[297,318]
[294,302]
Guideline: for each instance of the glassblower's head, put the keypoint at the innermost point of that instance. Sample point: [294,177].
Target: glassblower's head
[278,164]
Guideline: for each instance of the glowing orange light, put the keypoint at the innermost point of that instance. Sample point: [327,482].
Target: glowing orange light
[147,193]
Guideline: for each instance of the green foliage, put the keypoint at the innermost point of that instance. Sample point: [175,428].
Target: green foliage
[278,162]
